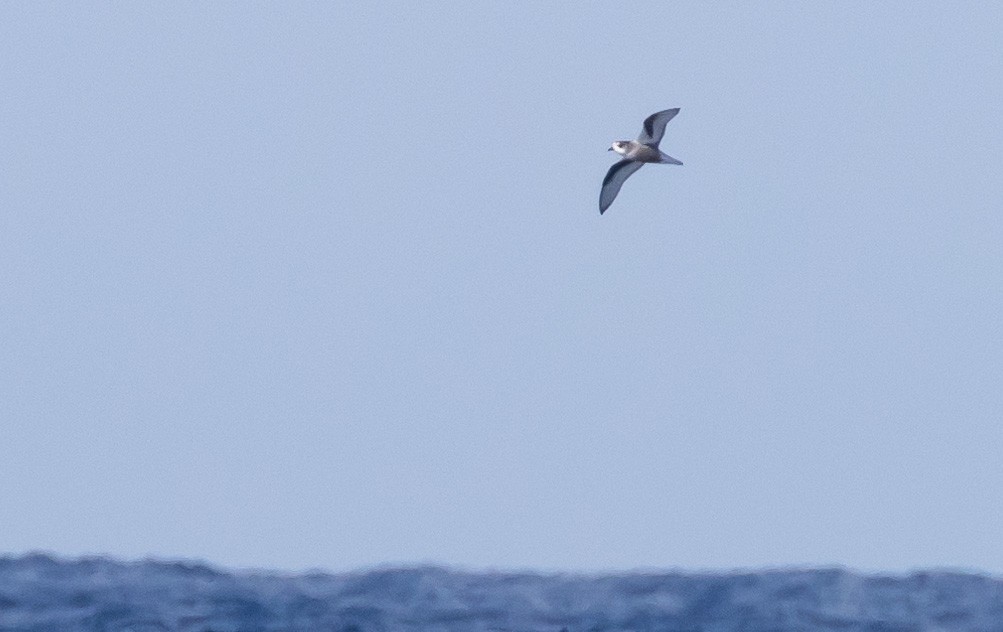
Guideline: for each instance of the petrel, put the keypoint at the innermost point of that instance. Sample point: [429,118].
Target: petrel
[635,153]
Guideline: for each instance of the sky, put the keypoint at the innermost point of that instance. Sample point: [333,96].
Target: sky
[325,285]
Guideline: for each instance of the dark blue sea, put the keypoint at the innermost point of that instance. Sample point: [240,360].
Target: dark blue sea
[42,593]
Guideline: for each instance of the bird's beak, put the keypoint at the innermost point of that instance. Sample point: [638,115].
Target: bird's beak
[609,149]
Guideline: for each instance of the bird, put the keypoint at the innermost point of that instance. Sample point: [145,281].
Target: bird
[635,153]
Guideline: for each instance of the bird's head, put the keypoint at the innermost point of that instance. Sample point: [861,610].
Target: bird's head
[619,146]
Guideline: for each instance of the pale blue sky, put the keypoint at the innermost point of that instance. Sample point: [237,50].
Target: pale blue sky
[307,284]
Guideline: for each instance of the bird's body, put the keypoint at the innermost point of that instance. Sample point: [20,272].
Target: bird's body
[633,150]
[635,154]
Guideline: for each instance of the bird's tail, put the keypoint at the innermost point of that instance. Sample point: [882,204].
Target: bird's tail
[668,160]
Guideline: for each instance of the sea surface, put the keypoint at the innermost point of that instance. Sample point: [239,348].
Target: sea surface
[40,592]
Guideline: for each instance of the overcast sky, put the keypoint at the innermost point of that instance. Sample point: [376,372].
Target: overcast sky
[302,285]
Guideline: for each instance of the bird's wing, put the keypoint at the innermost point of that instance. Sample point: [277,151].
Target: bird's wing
[654,127]
[614,179]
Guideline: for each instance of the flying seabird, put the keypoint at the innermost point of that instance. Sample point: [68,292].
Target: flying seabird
[635,153]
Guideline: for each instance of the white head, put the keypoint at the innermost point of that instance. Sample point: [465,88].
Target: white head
[620,146]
